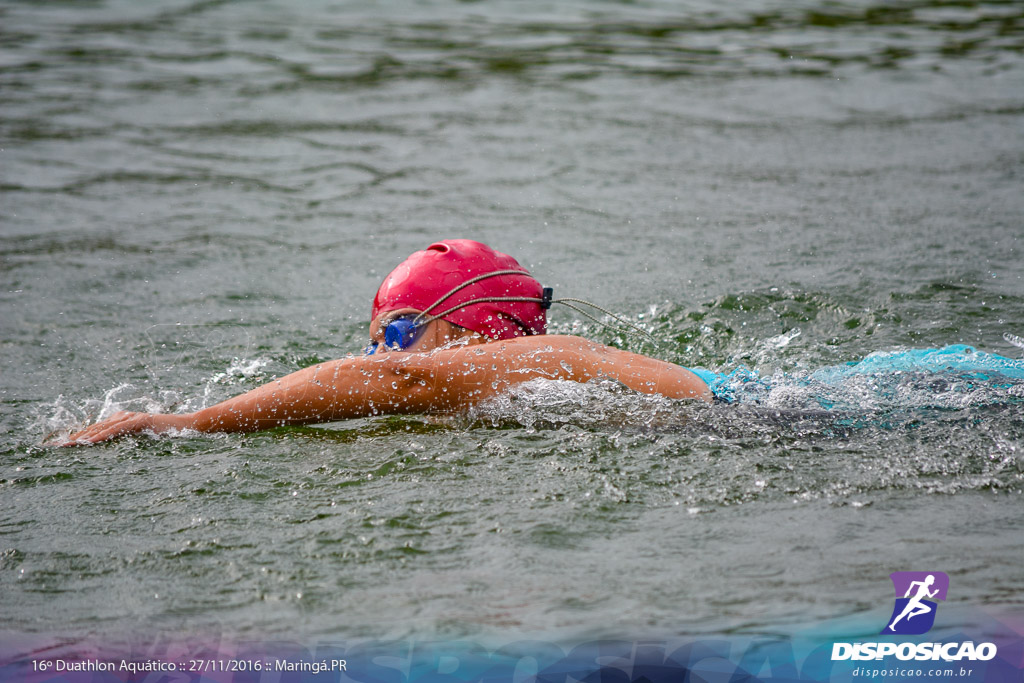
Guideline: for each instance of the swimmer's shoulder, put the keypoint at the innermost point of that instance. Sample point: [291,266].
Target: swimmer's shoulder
[585,359]
[573,358]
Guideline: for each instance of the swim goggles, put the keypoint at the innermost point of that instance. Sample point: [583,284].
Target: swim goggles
[400,334]
[403,331]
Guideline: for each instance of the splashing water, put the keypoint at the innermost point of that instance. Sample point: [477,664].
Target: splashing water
[1014,339]
[952,377]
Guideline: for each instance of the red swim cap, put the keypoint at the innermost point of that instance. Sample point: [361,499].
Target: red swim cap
[426,276]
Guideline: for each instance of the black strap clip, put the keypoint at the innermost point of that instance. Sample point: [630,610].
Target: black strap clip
[545,301]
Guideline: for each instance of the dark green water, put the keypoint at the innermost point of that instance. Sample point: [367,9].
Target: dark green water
[197,197]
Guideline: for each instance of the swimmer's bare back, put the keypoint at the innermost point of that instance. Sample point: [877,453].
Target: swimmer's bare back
[438,381]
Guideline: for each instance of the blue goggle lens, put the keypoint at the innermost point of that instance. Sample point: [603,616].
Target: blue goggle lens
[399,335]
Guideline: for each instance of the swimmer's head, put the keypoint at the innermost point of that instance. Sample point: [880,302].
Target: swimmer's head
[429,282]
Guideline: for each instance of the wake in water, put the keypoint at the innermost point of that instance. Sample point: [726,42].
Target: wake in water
[64,415]
[955,376]
[883,390]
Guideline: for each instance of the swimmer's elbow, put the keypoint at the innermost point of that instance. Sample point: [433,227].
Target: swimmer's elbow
[409,387]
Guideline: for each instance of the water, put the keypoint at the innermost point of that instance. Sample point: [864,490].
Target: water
[198,197]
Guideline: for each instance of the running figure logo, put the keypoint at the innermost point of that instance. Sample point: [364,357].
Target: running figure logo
[916,593]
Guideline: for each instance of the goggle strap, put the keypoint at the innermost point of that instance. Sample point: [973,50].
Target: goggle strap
[421,320]
[469,282]
[565,302]
[607,313]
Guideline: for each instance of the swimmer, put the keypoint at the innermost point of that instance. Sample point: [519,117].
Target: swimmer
[451,326]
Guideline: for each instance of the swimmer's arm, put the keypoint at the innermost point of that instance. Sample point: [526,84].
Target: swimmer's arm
[335,390]
[398,383]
